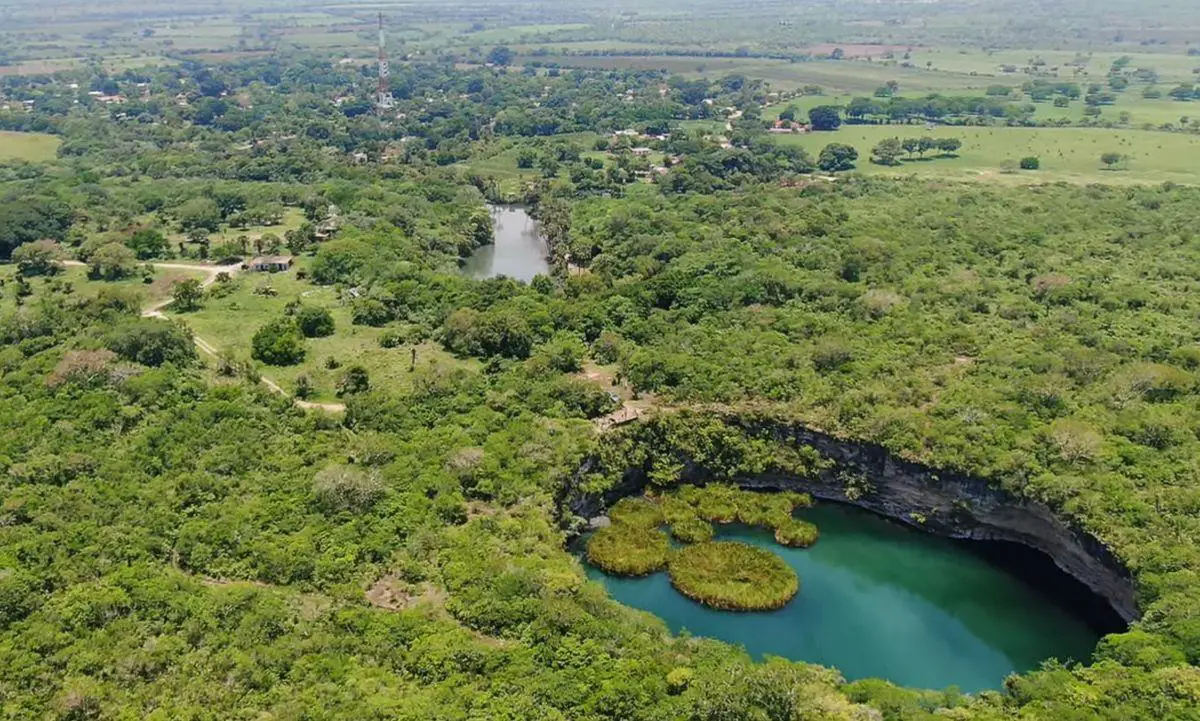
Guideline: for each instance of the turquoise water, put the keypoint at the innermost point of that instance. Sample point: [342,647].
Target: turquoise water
[878,600]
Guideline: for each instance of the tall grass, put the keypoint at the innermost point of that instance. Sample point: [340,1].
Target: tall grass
[732,576]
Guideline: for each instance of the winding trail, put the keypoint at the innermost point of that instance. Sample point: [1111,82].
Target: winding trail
[211,273]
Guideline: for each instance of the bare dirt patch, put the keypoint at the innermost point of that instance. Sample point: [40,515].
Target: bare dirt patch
[394,594]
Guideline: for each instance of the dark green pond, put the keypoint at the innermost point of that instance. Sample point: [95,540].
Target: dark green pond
[879,600]
[517,249]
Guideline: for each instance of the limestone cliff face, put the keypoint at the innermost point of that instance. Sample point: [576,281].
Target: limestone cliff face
[935,501]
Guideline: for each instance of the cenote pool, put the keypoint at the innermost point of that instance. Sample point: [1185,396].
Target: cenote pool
[517,251]
[879,600]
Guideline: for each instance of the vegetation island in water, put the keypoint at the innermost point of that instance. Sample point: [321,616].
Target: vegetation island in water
[726,575]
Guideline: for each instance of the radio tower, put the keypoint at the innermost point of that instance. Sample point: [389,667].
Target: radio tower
[383,98]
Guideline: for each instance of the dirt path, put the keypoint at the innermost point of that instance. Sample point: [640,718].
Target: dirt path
[211,273]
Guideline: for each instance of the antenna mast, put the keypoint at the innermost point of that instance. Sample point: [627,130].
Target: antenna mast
[383,98]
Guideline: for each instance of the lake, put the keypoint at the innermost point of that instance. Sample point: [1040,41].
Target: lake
[517,251]
[880,600]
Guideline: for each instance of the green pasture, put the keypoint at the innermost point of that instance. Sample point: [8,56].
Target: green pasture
[74,280]
[33,147]
[1068,154]
[229,324]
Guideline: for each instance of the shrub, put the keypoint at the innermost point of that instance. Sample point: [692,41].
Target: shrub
[628,550]
[732,576]
[563,353]
[314,322]
[370,311]
[278,343]
[346,488]
[153,343]
[41,257]
[796,533]
[679,678]
[186,295]
[1030,163]
[354,381]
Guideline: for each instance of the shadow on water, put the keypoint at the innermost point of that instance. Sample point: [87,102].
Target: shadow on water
[517,251]
[879,599]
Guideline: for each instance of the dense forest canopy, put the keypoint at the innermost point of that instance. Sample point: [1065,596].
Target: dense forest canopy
[178,540]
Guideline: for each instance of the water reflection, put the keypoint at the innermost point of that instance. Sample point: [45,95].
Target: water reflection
[518,251]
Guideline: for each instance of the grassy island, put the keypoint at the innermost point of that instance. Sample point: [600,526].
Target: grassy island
[796,534]
[732,576]
[627,550]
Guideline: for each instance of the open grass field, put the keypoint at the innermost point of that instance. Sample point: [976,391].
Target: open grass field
[229,323]
[75,278]
[1066,154]
[33,147]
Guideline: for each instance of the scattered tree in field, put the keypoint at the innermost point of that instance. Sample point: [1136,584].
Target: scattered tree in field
[825,117]
[112,262]
[500,55]
[148,243]
[41,257]
[526,157]
[278,343]
[186,295]
[304,387]
[1030,163]
[837,156]
[354,381]
[314,322]
[949,146]
[202,213]
[1112,160]
[887,152]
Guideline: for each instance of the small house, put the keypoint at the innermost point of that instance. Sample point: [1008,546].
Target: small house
[271,263]
[641,152]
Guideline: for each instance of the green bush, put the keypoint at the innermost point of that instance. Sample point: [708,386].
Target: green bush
[278,343]
[628,550]
[314,322]
[732,576]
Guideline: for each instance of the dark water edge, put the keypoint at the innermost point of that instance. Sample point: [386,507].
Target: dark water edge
[881,599]
[1038,570]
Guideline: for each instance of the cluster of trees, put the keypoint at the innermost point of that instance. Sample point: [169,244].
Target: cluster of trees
[888,151]
[934,108]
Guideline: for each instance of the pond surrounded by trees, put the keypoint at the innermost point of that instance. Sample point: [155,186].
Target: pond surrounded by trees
[518,249]
[880,600]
